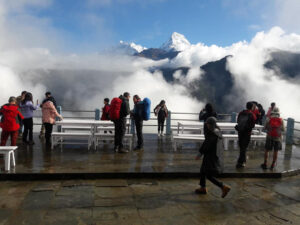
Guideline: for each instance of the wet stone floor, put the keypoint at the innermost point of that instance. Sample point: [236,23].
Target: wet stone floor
[149,202]
[158,156]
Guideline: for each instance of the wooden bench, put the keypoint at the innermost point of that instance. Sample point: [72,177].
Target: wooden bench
[8,152]
[186,138]
[61,137]
[110,137]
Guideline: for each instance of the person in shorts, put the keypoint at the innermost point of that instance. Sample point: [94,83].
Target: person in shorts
[274,126]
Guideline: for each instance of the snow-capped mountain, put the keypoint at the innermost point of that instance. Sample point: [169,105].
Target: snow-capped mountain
[177,42]
[130,48]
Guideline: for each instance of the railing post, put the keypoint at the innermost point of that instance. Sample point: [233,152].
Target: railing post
[233,117]
[290,131]
[168,125]
[132,126]
[59,110]
[97,114]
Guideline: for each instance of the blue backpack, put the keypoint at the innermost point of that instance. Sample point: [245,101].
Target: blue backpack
[147,106]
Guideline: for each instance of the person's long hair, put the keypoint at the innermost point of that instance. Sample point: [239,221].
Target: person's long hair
[162,103]
[28,97]
[209,108]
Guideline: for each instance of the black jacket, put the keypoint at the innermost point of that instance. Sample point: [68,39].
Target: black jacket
[125,110]
[203,115]
[212,150]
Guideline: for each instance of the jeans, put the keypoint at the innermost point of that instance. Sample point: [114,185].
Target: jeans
[161,123]
[28,129]
[244,140]
[13,137]
[48,132]
[139,132]
[120,129]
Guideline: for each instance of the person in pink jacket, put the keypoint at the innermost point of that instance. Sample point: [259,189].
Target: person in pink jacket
[49,113]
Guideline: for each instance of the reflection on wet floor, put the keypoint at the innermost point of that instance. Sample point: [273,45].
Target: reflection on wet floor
[158,157]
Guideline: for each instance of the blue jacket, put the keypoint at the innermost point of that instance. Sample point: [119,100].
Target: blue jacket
[27,109]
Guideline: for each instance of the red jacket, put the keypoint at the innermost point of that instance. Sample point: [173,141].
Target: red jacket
[9,120]
[105,112]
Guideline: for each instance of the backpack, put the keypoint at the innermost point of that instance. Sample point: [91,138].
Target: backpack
[244,122]
[275,127]
[115,108]
[146,111]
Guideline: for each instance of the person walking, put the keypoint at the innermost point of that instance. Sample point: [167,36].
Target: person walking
[245,123]
[120,123]
[161,111]
[48,97]
[274,126]
[49,114]
[27,109]
[10,117]
[212,151]
[137,115]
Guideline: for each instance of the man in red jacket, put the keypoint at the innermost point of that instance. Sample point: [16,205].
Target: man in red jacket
[9,121]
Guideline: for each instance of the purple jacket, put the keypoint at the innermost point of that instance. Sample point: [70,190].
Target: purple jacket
[27,109]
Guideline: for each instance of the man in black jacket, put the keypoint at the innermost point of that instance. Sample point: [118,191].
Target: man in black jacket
[138,120]
[120,124]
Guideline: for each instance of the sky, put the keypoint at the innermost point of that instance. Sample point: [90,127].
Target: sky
[93,25]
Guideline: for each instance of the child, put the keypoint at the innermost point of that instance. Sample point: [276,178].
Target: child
[161,112]
[274,127]
[9,121]
[212,151]
[27,109]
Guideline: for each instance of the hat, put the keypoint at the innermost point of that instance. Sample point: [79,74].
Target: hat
[275,111]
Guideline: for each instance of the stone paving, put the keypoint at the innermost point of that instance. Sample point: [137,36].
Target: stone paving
[158,157]
[149,202]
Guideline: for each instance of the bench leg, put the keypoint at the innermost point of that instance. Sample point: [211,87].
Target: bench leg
[225,144]
[13,158]
[7,161]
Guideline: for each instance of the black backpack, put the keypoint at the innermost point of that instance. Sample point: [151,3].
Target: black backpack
[245,121]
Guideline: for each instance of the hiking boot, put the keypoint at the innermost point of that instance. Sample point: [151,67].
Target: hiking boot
[240,165]
[225,190]
[122,150]
[264,166]
[201,191]
[273,165]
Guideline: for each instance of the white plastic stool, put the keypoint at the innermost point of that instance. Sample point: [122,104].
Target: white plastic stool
[8,152]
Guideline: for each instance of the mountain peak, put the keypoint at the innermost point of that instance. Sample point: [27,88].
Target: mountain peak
[177,42]
[131,48]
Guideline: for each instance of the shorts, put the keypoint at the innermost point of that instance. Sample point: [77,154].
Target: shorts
[271,144]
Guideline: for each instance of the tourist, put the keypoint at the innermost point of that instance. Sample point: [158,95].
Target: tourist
[207,112]
[161,112]
[27,109]
[120,121]
[274,126]
[9,121]
[105,110]
[245,124]
[49,114]
[48,97]
[137,115]
[255,111]
[19,100]
[212,151]
[273,105]
[261,114]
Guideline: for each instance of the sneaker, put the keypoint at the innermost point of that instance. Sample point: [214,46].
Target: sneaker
[225,190]
[158,134]
[264,166]
[201,191]
[162,134]
[240,165]
[122,150]
[273,165]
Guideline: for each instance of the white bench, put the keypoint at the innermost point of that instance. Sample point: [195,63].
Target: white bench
[8,152]
[61,137]
[80,128]
[234,137]
[186,138]
[110,137]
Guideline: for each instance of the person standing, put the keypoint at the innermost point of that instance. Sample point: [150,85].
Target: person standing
[138,120]
[261,114]
[9,121]
[274,126]
[49,114]
[27,109]
[120,123]
[212,151]
[19,100]
[245,123]
[161,112]
[273,105]
[105,110]
[207,112]
[48,97]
